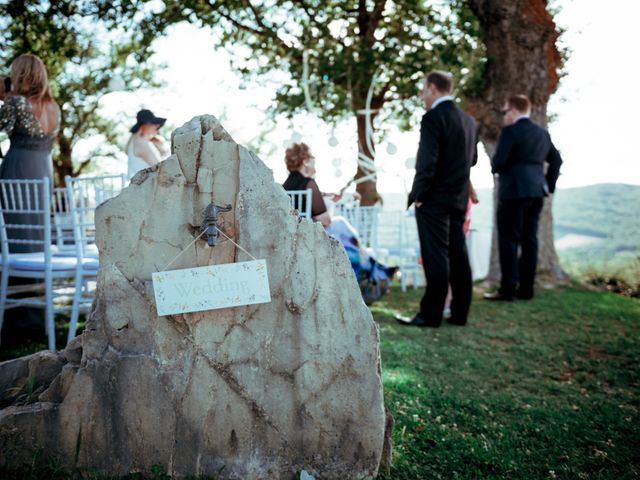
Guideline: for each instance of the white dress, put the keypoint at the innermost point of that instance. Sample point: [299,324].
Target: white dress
[134,163]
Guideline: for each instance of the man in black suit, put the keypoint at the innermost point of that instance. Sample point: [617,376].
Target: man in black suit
[447,150]
[523,149]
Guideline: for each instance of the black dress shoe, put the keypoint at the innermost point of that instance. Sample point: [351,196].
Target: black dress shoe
[524,295]
[497,296]
[455,321]
[414,322]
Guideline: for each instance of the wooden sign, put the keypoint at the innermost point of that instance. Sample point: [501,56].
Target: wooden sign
[208,288]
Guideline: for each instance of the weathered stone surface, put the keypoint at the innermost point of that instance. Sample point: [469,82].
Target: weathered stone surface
[60,385]
[73,352]
[12,372]
[25,378]
[259,391]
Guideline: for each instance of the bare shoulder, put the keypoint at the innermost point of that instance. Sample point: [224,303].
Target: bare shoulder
[52,110]
[140,144]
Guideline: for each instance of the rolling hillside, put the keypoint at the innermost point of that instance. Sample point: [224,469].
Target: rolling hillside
[594,225]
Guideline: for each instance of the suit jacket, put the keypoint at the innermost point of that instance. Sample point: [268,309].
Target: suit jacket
[447,150]
[522,150]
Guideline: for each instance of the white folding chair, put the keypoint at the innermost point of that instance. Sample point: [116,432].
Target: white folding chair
[301,201]
[409,250]
[31,197]
[83,195]
[395,245]
[63,224]
[364,220]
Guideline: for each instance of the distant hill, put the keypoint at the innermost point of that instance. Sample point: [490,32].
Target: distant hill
[599,225]
[607,211]
[593,224]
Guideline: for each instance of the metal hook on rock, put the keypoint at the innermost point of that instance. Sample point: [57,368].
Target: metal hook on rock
[210,222]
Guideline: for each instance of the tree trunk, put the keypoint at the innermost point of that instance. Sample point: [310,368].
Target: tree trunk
[62,165]
[367,189]
[520,38]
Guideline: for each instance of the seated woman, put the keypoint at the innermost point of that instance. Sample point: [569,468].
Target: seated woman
[374,278]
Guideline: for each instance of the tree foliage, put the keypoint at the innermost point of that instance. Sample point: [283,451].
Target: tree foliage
[335,49]
[84,57]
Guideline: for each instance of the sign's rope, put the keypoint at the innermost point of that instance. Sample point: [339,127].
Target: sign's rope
[240,247]
[196,239]
[183,250]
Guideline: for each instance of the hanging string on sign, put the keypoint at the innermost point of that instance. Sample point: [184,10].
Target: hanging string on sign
[182,251]
[240,247]
[196,239]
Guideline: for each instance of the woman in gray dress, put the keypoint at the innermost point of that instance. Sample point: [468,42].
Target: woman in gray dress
[31,118]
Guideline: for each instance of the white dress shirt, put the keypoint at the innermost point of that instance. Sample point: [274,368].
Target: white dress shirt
[440,100]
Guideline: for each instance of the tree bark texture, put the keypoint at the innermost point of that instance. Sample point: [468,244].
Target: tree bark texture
[62,164]
[367,189]
[523,58]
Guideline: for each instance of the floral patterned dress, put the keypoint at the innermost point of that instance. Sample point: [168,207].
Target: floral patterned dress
[29,157]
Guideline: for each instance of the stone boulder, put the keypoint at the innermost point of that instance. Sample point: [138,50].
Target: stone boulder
[259,391]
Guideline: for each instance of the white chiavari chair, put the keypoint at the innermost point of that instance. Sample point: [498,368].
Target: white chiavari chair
[301,201]
[83,195]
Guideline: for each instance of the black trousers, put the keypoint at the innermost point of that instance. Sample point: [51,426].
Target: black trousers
[445,261]
[518,220]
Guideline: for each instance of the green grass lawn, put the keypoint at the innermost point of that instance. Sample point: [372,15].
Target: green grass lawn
[541,389]
[534,390]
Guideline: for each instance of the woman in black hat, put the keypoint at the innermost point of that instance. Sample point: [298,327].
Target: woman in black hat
[145,147]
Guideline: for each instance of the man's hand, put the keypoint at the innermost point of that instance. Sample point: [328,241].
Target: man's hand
[474,197]
[418,204]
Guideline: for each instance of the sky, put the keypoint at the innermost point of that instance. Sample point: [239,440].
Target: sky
[595,108]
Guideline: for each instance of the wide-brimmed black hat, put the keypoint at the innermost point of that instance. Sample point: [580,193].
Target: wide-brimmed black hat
[147,116]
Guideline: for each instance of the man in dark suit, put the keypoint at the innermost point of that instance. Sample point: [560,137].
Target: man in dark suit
[447,150]
[523,149]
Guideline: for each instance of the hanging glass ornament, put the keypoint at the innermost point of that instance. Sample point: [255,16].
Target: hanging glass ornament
[333,141]
[336,162]
[410,162]
[391,148]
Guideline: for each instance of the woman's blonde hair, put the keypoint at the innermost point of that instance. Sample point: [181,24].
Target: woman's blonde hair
[29,79]
[296,155]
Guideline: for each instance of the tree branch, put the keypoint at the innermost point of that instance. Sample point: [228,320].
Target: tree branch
[363,17]
[265,31]
[269,31]
[81,167]
[374,20]
[239,25]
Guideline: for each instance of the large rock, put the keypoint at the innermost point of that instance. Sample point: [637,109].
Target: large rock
[259,391]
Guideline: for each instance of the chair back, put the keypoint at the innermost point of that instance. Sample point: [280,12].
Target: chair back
[25,216]
[84,194]
[301,201]
[364,220]
[390,232]
[62,221]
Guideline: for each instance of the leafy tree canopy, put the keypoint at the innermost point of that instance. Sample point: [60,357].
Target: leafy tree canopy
[345,43]
[85,60]
[335,49]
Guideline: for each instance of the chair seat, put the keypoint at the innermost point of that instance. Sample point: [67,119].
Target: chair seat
[90,251]
[34,262]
